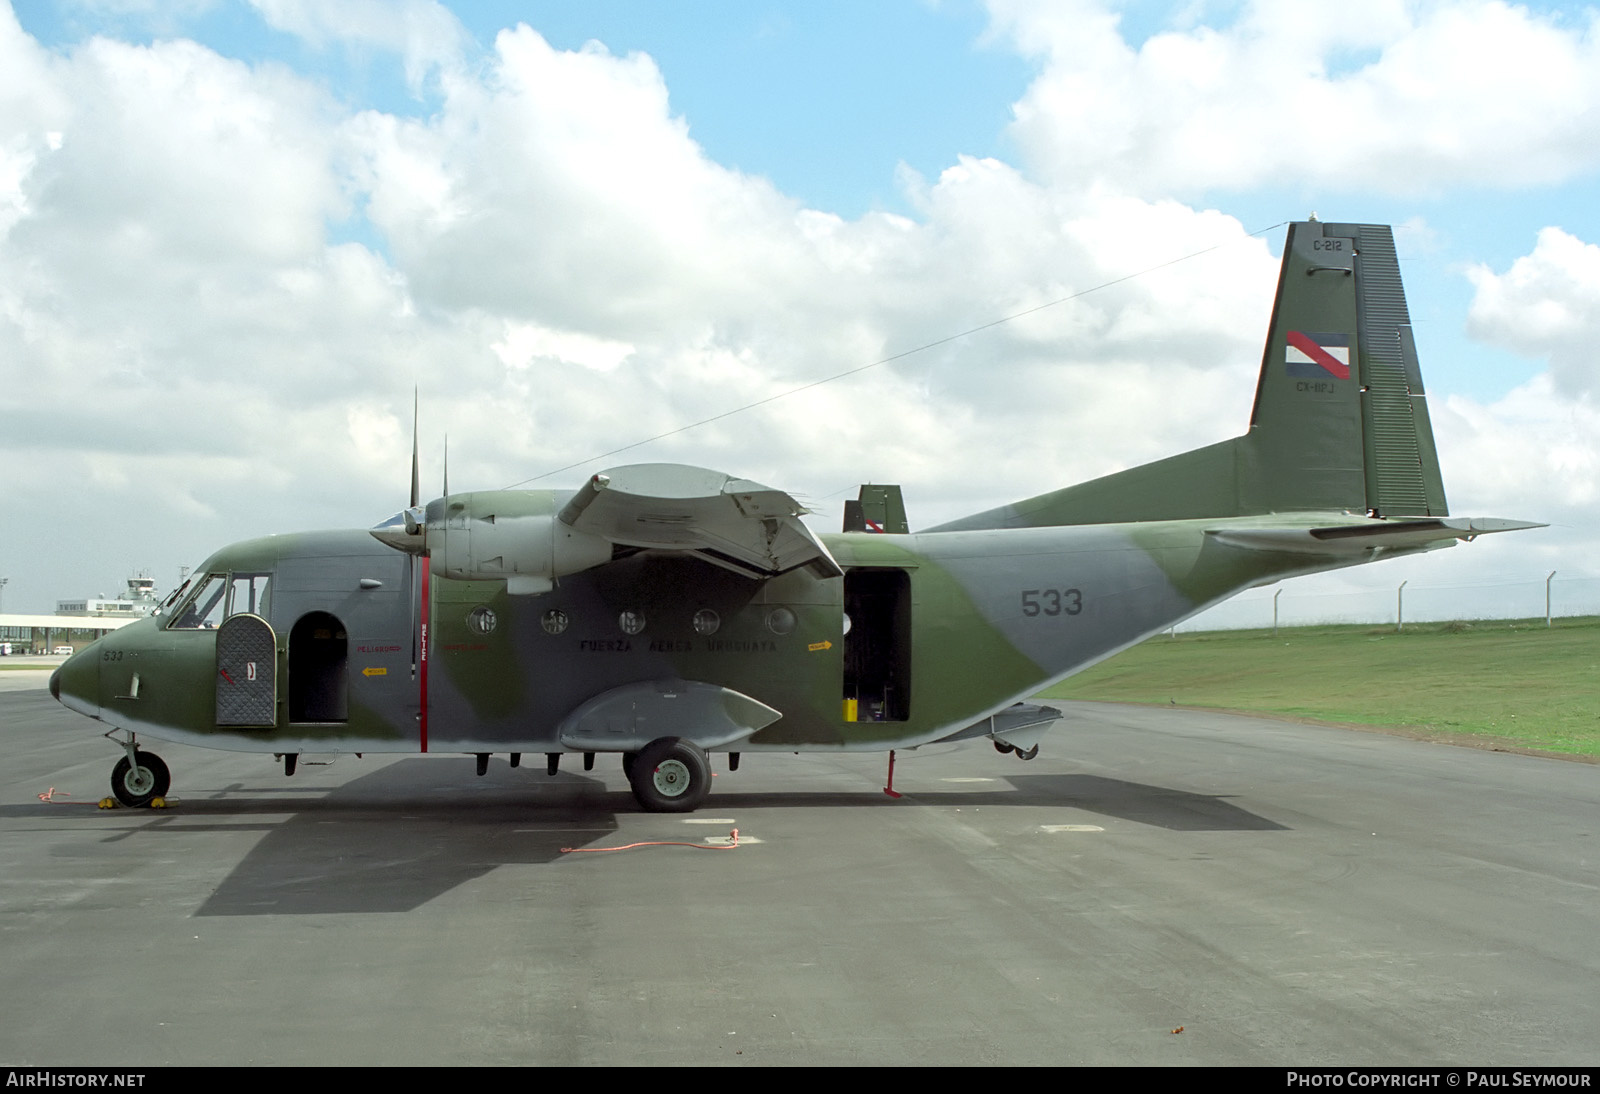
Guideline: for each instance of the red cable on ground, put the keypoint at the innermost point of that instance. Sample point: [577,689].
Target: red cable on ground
[734,836]
[59,797]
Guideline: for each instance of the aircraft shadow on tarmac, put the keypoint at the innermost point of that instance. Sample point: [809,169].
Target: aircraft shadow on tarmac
[395,839]
[1142,803]
[415,829]
[1158,806]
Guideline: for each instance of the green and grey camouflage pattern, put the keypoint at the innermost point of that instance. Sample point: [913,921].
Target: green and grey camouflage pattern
[665,612]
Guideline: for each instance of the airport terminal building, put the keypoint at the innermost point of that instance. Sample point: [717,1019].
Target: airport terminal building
[76,623]
[21,635]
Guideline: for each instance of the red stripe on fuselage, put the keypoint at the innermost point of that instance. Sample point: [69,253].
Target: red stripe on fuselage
[422,645]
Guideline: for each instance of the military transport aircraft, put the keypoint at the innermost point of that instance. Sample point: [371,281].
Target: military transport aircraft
[664,612]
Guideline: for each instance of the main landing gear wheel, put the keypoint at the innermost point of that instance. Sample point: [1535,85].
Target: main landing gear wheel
[141,783]
[1027,753]
[1002,748]
[670,775]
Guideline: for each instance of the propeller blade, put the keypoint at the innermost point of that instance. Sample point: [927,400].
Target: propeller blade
[404,530]
[416,483]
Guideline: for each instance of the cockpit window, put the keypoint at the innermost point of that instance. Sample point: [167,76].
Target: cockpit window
[172,598]
[203,609]
[220,595]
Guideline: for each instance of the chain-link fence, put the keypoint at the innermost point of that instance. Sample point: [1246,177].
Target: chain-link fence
[1304,603]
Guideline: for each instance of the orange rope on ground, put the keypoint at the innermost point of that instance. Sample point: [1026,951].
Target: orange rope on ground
[62,797]
[734,836]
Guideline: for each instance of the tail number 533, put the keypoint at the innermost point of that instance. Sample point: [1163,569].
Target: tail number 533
[1052,601]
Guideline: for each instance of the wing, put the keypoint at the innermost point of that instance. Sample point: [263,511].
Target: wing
[734,523]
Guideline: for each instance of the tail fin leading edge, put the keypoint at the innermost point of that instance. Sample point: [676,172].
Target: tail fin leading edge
[1340,420]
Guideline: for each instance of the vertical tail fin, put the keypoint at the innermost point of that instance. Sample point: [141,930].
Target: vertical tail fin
[879,508]
[1340,420]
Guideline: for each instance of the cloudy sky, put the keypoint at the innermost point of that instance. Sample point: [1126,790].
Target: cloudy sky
[235,235]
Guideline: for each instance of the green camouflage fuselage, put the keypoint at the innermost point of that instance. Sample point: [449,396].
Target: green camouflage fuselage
[665,611]
[988,617]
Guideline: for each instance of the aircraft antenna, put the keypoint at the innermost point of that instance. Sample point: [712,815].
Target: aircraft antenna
[896,356]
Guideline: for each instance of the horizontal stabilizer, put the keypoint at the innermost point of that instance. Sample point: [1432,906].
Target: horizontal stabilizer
[1019,725]
[734,523]
[1355,539]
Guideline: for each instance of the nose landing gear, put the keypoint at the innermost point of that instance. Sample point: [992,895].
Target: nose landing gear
[139,778]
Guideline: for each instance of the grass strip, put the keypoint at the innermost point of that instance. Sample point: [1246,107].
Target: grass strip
[1534,686]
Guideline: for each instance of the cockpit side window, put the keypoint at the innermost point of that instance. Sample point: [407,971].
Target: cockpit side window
[248,593]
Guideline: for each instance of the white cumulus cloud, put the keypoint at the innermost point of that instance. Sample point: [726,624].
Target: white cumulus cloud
[563,271]
[1546,305]
[1403,97]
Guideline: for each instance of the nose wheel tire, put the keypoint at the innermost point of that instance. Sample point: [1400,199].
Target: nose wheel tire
[670,775]
[140,784]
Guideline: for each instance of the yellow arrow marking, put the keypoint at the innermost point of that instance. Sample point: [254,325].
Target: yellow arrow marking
[815,646]
[374,672]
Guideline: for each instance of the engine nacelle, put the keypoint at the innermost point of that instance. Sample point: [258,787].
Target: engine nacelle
[508,535]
